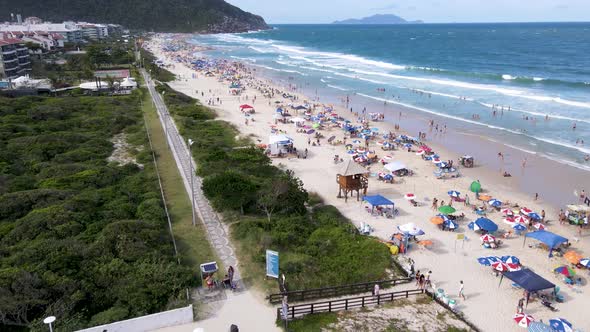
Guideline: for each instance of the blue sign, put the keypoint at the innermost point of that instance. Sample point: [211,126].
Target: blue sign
[272,264]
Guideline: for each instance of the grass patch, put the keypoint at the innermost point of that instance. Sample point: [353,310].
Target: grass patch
[192,242]
[310,323]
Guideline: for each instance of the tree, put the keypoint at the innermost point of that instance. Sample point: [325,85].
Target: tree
[229,190]
[269,196]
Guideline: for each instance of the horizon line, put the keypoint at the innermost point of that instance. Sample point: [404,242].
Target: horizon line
[423,22]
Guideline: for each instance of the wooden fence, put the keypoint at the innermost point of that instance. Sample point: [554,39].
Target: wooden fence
[299,310]
[336,291]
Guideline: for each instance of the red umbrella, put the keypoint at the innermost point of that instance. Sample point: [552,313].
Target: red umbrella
[500,266]
[245,106]
[523,320]
[521,219]
[409,196]
[507,212]
[525,210]
[487,238]
[513,267]
[539,226]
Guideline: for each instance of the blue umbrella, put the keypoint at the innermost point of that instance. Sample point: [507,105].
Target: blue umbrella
[484,261]
[519,227]
[535,216]
[454,193]
[448,223]
[374,129]
[495,203]
[388,177]
[442,164]
[560,325]
[585,262]
[443,216]
[510,259]
[408,145]
[473,226]
[486,224]
[351,152]
[540,327]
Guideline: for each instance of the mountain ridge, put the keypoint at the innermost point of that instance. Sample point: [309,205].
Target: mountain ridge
[378,19]
[203,16]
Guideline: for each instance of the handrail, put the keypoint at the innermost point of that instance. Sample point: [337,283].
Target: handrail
[315,293]
[298,310]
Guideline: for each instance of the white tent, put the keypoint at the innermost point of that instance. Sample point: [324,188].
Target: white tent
[297,120]
[279,139]
[395,166]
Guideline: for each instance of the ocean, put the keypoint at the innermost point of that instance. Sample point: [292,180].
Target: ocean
[523,85]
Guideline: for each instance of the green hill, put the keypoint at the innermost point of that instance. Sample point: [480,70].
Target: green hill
[150,15]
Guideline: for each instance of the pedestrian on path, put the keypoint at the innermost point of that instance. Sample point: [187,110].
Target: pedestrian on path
[462,290]
[230,274]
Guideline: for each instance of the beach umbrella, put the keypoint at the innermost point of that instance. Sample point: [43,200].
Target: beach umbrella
[534,216]
[495,203]
[521,220]
[525,211]
[486,224]
[309,132]
[523,320]
[245,106]
[315,125]
[510,259]
[411,229]
[473,226]
[585,262]
[484,198]
[539,226]
[409,196]
[540,327]
[509,221]
[560,325]
[513,267]
[519,227]
[572,257]
[448,223]
[420,152]
[475,186]
[437,220]
[446,209]
[487,238]
[454,193]
[442,164]
[407,145]
[565,270]
[486,261]
[500,266]
[507,212]
[356,141]
[388,177]
[435,160]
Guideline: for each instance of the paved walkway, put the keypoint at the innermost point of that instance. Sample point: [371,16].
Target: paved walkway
[244,307]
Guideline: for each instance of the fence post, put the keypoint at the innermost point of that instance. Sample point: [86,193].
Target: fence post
[407,295]
[330,306]
[363,302]
[346,304]
[391,297]
[378,299]
[292,312]
[311,308]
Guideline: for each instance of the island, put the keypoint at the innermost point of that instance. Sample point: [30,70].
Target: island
[378,19]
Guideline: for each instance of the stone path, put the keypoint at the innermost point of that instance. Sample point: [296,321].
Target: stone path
[216,231]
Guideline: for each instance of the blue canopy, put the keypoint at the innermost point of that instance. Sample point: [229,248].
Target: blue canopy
[486,224]
[528,280]
[377,200]
[552,240]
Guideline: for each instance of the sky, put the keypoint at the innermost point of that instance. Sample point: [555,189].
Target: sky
[431,11]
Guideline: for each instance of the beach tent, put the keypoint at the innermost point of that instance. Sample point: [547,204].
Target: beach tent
[540,327]
[475,186]
[378,200]
[528,280]
[485,224]
[395,166]
[552,240]
[279,144]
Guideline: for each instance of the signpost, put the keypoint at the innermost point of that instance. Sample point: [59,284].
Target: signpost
[272,264]
[460,237]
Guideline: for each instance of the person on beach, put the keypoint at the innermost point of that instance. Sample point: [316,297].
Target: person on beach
[435,204]
[422,281]
[582,196]
[542,215]
[466,201]
[418,277]
[536,196]
[376,290]
[462,290]
[520,306]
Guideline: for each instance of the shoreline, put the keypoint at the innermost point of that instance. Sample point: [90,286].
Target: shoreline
[449,262]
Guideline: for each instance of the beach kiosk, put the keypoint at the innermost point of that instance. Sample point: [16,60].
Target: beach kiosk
[208,269]
[352,177]
[280,145]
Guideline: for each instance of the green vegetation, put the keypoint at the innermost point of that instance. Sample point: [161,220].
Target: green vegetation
[310,323]
[267,208]
[80,238]
[149,15]
[192,242]
[158,73]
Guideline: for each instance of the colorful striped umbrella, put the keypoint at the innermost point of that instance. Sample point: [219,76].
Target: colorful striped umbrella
[523,320]
[526,210]
[560,325]
[454,193]
[448,223]
[507,212]
[539,226]
[409,196]
[513,267]
[565,270]
[519,227]
[494,202]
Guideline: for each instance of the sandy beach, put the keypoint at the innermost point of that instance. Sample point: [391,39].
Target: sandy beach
[489,304]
